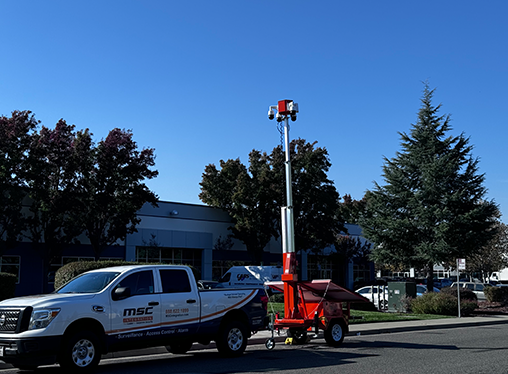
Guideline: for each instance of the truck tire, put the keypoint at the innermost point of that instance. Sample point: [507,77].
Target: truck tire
[232,339]
[81,352]
[334,333]
[179,348]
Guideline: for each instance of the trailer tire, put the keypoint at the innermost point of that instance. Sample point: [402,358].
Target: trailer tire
[80,353]
[334,334]
[232,339]
[179,348]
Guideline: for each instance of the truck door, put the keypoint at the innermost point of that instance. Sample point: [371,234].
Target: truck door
[137,316]
[180,303]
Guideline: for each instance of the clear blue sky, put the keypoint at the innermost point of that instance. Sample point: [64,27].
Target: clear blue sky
[194,79]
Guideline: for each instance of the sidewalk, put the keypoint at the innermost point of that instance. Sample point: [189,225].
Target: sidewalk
[355,329]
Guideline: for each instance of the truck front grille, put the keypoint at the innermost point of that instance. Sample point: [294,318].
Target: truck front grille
[14,320]
[9,319]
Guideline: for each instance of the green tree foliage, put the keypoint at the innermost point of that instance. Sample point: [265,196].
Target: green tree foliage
[493,256]
[432,208]
[15,138]
[315,198]
[247,195]
[351,210]
[253,197]
[347,249]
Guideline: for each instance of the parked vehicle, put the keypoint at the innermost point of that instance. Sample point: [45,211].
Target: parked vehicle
[122,308]
[422,289]
[378,295]
[250,276]
[500,276]
[477,288]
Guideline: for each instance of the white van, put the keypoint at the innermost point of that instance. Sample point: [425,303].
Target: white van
[250,276]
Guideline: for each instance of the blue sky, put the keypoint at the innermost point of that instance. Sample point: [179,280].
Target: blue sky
[194,79]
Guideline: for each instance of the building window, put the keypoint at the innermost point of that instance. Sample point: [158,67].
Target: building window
[163,255]
[361,274]
[319,267]
[10,264]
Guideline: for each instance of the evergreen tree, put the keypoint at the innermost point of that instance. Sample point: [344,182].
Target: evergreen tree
[432,208]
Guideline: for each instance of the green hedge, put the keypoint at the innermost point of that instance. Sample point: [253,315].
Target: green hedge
[442,303]
[73,269]
[497,294]
[7,285]
[465,293]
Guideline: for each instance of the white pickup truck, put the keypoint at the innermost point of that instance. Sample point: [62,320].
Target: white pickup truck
[123,308]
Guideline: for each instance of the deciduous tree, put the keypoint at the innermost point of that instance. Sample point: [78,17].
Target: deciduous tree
[15,136]
[253,197]
[112,189]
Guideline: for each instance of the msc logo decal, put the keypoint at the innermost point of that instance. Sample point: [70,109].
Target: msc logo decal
[138,315]
[242,277]
[138,312]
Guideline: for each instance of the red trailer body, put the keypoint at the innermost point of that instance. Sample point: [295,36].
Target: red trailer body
[321,304]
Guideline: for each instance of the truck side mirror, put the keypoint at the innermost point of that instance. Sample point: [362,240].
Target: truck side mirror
[121,293]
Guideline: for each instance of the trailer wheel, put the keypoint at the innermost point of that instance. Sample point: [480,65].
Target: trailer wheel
[80,352]
[334,334]
[270,344]
[179,348]
[232,339]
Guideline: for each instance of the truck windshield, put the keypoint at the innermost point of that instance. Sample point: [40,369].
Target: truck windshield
[88,283]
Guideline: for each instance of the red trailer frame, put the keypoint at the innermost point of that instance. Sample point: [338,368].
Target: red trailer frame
[319,304]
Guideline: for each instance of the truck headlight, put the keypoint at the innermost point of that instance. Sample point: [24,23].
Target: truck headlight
[42,318]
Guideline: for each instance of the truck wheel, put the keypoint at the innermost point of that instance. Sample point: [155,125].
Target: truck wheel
[334,334]
[179,348]
[81,352]
[232,339]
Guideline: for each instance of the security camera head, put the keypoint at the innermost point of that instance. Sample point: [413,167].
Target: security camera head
[271,114]
[293,117]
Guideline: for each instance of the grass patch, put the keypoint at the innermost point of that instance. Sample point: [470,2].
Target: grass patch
[369,317]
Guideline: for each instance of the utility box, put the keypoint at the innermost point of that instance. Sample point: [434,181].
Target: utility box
[399,294]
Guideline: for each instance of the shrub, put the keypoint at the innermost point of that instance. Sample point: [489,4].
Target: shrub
[443,303]
[277,298]
[7,285]
[496,294]
[465,293]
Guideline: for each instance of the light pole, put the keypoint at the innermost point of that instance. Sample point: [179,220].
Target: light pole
[287,109]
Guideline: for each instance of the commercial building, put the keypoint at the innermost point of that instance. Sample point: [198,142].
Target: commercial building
[177,233]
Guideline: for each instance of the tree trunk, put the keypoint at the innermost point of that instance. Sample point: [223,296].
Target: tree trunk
[430,277]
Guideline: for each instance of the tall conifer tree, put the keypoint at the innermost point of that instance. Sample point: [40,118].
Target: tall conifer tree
[432,208]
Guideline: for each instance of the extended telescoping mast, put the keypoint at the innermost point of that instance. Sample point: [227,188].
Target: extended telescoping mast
[287,109]
[318,303]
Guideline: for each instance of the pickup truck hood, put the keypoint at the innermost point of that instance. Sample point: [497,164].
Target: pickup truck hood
[45,300]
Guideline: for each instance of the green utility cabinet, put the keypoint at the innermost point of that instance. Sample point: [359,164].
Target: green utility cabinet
[399,294]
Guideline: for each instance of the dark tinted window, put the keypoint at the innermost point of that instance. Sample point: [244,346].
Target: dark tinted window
[174,281]
[140,283]
[225,278]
